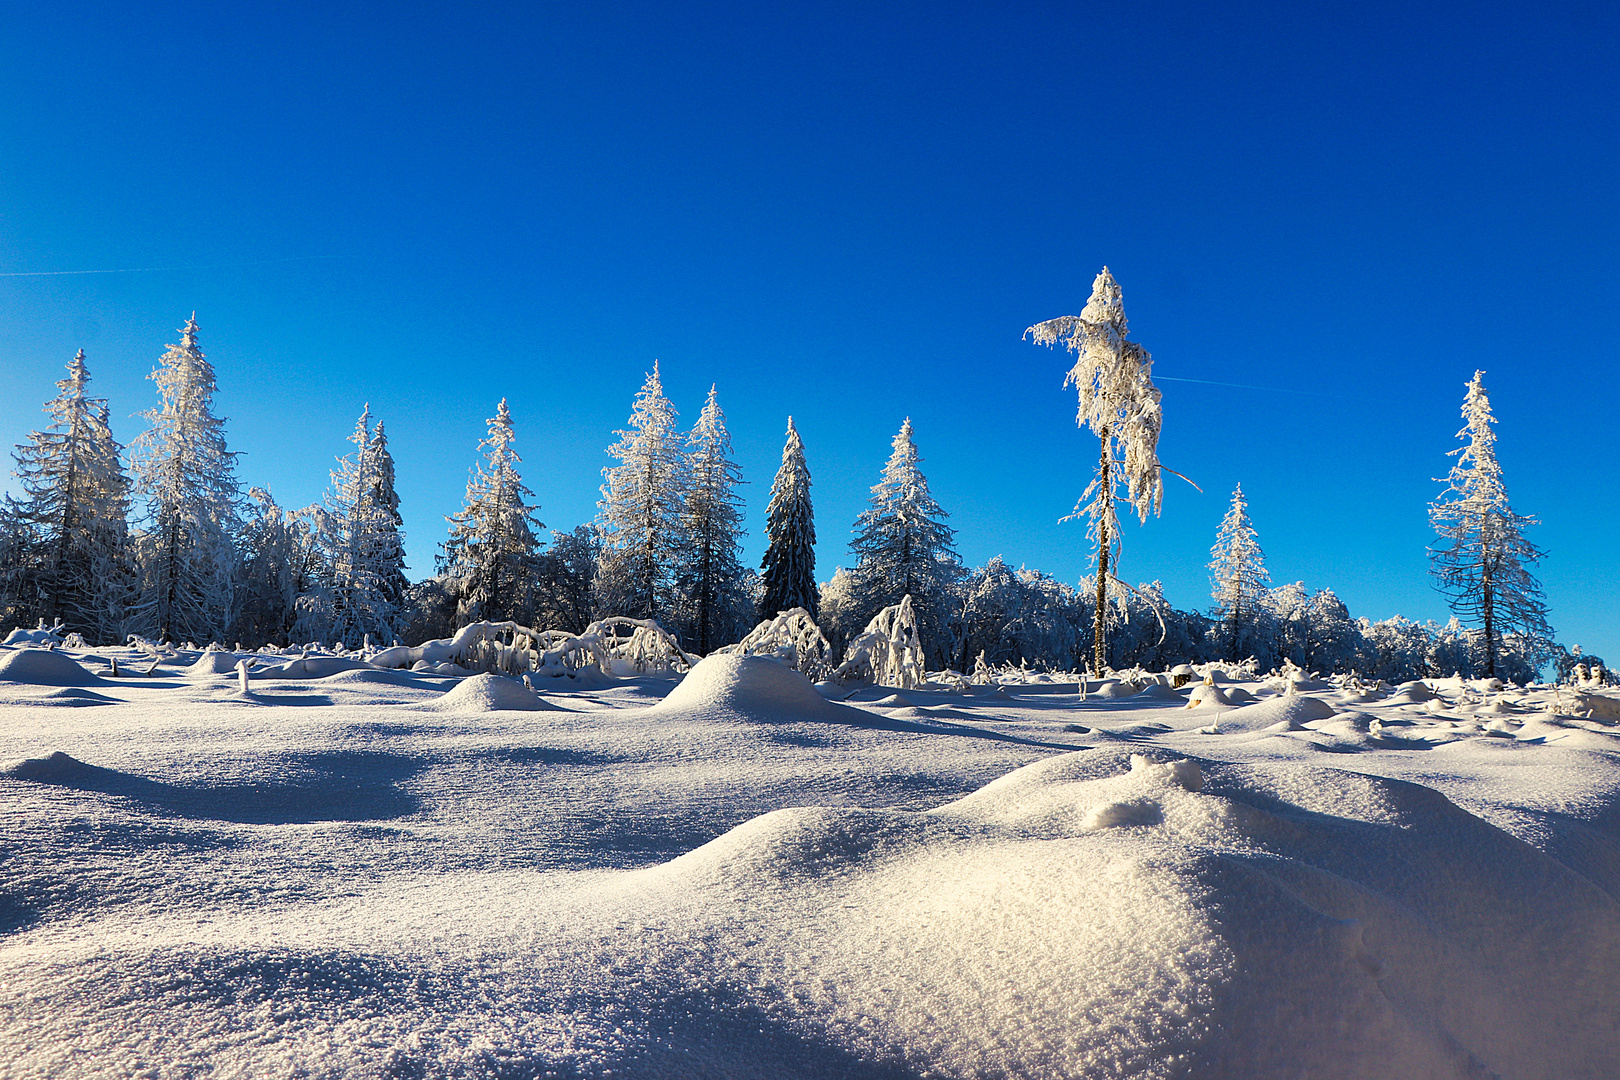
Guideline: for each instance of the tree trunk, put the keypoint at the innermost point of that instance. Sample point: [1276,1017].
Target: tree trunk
[1099,628]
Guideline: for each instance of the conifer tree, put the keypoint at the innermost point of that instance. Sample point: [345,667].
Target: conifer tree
[790,527]
[75,510]
[1480,557]
[490,555]
[640,514]
[188,480]
[905,548]
[710,579]
[361,546]
[281,570]
[1120,404]
[1238,572]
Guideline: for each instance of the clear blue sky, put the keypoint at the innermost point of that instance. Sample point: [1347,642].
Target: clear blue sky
[850,214]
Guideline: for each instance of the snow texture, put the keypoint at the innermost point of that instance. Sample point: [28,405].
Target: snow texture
[358,874]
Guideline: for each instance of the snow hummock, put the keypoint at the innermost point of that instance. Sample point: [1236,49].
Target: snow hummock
[44,667]
[491,693]
[756,686]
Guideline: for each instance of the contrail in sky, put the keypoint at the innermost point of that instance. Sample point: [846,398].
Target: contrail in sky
[1240,386]
[152,269]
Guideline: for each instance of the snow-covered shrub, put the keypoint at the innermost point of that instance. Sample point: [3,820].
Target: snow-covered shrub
[888,653]
[793,638]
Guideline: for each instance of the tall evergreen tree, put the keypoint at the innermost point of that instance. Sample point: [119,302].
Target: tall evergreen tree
[1120,404]
[188,480]
[640,514]
[361,546]
[75,510]
[490,556]
[905,548]
[1238,571]
[1480,557]
[710,578]
[790,557]
[281,568]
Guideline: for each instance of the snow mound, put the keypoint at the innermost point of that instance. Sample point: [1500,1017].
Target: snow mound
[893,701]
[362,677]
[20,636]
[309,667]
[1113,688]
[59,768]
[1205,695]
[1599,707]
[492,693]
[1277,714]
[44,667]
[1158,692]
[214,663]
[749,685]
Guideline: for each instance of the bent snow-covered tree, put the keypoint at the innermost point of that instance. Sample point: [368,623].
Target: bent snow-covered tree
[74,510]
[1120,404]
[790,557]
[1238,571]
[640,514]
[1480,557]
[188,479]
[490,555]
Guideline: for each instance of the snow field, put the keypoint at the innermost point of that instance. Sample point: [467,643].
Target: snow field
[387,873]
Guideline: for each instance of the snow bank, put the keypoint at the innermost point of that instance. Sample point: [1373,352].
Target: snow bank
[308,667]
[1277,714]
[44,667]
[491,693]
[215,662]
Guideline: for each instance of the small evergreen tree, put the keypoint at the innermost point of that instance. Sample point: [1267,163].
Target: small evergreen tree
[1238,572]
[75,510]
[280,565]
[490,555]
[640,514]
[187,551]
[1120,404]
[710,579]
[790,527]
[1480,559]
[905,548]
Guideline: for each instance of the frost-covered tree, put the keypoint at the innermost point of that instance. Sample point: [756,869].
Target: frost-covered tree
[905,548]
[1120,404]
[564,576]
[361,546]
[715,606]
[280,565]
[790,529]
[1480,558]
[1237,569]
[74,510]
[490,556]
[187,550]
[640,513]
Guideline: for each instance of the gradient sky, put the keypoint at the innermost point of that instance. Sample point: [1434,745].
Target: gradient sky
[1323,222]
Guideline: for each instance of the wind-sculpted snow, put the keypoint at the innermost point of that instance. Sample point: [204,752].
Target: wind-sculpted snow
[370,873]
[43,667]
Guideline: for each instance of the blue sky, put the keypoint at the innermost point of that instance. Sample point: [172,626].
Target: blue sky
[850,214]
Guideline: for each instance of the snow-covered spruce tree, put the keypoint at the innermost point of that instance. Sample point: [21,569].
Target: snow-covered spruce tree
[280,565]
[1120,404]
[364,584]
[905,548]
[1480,557]
[790,528]
[715,607]
[1238,572]
[639,515]
[75,507]
[490,556]
[187,550]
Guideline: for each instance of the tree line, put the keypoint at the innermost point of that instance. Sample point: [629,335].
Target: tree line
[162,541]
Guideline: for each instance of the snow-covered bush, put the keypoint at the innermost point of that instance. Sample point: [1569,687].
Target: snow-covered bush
[889,653]
[791,637]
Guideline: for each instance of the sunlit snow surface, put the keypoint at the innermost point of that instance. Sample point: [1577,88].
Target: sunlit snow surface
[377,873]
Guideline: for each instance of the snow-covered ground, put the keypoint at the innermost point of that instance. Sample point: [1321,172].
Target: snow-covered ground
[355,872]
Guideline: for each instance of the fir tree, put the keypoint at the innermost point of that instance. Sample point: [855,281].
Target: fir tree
[790,557]
[1120,404]
[710,579]
[361,545]
[188,479]
[280,567]
[905,548]
[75,510]
[1238,572]
[640,514]
[490,556]
[1481,555]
